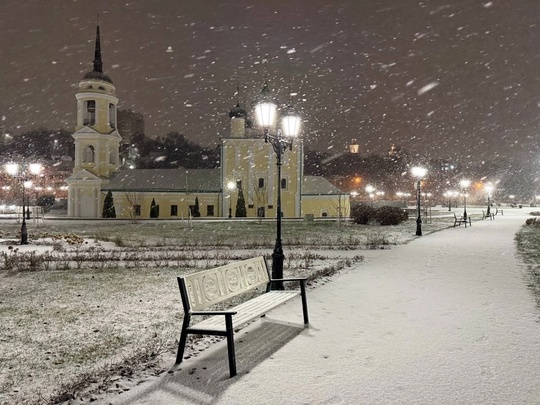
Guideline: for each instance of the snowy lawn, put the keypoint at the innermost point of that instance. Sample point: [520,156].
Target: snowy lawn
[94,300]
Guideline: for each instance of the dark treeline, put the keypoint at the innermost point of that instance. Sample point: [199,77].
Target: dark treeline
[513,175]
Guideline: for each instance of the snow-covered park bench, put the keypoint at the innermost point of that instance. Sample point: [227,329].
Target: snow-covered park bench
[201,291]
[462,220]
[485,215]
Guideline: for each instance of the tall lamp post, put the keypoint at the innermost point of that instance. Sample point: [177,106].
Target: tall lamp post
[489,189]
[464,185]
[21,172]
[231,186]
[418,173]
[266,113]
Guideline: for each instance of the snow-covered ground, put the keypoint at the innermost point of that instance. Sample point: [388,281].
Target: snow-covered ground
[445,319]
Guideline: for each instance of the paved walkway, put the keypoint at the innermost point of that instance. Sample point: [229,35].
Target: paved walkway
[445,319]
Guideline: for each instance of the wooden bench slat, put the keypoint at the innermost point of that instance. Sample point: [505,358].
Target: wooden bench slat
[248,310]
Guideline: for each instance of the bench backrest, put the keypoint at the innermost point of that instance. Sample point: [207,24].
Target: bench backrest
[209,287]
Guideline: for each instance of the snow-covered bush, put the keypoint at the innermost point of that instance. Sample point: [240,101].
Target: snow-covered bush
[362,214]
[390,215]
[532,221]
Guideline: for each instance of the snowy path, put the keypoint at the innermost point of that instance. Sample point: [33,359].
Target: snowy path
[445,319]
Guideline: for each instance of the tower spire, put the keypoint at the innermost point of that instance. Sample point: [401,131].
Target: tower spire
[98,63]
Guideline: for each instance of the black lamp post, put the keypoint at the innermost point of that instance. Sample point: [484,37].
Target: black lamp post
[419,173]
[464,185]
[231,185]
[266,112]
[449,195]
[489,189]
[20,172]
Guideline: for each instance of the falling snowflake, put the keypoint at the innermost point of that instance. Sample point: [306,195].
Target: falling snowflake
[427,88]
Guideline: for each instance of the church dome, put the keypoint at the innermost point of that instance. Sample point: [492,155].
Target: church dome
[98,76]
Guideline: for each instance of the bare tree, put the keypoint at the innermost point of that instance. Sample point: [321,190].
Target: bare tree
[132,203]
[260,198]
[342,210]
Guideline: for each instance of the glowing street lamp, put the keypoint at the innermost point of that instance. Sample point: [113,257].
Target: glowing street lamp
[370,189]
[464,185]
[266,114]
[419,173]
[21,171]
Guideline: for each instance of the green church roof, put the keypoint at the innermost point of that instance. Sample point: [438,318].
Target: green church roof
[166,180]
[317,185]
[195,180]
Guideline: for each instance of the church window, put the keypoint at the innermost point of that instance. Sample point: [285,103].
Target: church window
[261,182]
[88,156]
[89,112]
[283,183]
[112,157]
[112,115]
[101,88]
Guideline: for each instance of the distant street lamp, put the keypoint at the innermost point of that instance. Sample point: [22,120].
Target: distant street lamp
[231,186]
[419,173]
[488,189]
[464,185]
[21,172]
[266,113]
[448,195]
[370,189]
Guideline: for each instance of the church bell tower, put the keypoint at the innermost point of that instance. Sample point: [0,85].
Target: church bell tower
[97,141]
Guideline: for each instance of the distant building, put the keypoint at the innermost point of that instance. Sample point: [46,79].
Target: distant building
[354,147]
[247,162]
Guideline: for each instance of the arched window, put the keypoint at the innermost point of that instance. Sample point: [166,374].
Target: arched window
[88,156]
[112,115]
[112,157]
[101,88]
[89,112]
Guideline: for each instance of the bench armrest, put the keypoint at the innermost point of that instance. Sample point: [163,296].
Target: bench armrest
[289,279]
[213,312]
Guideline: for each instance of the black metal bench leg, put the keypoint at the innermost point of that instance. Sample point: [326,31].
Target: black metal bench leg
[183,338]
[230,345]
[304,301]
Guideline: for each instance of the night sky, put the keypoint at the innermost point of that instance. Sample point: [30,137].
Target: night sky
[456,79]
